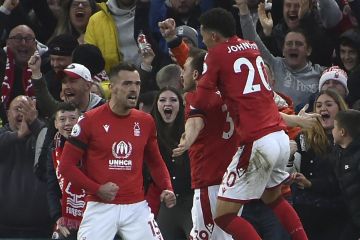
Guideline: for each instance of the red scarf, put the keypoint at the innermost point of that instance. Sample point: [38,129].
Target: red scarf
[73,197]
[8,82]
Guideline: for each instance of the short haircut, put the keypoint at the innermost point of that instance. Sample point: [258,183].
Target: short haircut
[169,76]
[219,20]
[349,120]
[124,66]
[66,107]
[302,32]
[197,62]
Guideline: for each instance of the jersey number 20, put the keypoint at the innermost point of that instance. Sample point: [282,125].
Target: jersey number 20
[250,87]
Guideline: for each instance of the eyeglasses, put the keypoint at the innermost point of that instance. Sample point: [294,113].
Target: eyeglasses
[19,39]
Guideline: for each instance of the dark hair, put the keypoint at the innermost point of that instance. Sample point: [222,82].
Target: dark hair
[66,107]
[124,66]
[64,24]
[197,62]
[349,120]
[90,56]
[219,20]
[302,32]
[169,137]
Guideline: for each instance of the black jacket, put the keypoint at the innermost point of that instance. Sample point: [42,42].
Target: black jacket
[346,164]
[23,202]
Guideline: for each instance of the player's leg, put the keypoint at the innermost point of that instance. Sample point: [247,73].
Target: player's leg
[138,223]
[272,195]
[245,179]
[203,212]
[99,221]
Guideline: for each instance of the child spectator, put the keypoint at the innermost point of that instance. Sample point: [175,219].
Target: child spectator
[66,203]
[346,163]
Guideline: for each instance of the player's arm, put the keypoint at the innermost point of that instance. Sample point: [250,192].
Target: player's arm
[193,126]
[155,162]
[303,119]
[72,154]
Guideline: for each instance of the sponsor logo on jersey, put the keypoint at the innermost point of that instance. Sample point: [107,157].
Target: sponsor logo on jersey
[121,151]
[137,131]
[120,164]
[75,132]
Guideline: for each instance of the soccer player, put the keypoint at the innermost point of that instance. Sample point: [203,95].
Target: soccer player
[235,67]
[210,138]
[112,141]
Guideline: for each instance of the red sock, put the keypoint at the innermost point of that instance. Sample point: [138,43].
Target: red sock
[288,218]
[237,227]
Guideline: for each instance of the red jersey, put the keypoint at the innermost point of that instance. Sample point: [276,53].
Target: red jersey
[113,148]
[215,146]
[236,68]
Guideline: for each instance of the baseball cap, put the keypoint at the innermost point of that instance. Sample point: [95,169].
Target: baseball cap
[334,73]
[188,32]
[62,45]
[76,70]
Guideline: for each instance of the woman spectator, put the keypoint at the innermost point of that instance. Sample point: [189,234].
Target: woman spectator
[168,112]
[316,196]
[75,17]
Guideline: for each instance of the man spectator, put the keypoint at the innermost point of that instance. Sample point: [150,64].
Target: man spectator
[314,22]
[20,45]
[60,51]
[76,84]
[169,76]
[23,211]
[295,75]
[113,160]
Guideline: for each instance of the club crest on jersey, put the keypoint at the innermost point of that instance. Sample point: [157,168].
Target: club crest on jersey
[121,150]
[137,129]
[75,130]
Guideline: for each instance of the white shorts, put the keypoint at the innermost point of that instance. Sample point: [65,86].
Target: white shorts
[130,221]
[203,212]
[255,167]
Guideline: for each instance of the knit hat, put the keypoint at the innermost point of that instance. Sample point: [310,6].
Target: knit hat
[334,73]
[188,32]
[90,56]
[62,45]
[76,70]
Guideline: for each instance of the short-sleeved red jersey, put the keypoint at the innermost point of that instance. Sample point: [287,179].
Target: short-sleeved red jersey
[113,148]
[215,146]
[236,69]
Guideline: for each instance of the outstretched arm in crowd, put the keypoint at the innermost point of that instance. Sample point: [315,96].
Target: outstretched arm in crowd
[330,13]
[47,104]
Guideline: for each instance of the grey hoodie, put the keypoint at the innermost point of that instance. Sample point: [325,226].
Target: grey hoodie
[298,84]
